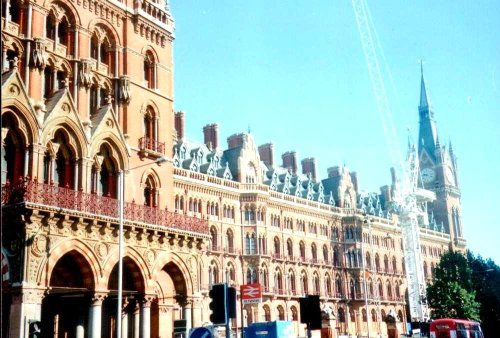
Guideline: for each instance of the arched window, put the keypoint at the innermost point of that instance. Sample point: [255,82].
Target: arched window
[374,316]
[398,290]
[295,313]
[65,163]
[230,241]
[102,50]
[50,27]
[289,248]
[383,315]
[278,281]
[426,273]
[302,249]
[104,175]
[251,275]
[213,234]
[403,268]
[336,256]
[325,253]
[314,252]
[338,286]
[370,288]
[389,290]
[277,246]
[377,262]
[303,280]
[281,313]
[150,70]
[341,315]
[380,289]
[63,32]
[230,274]
[13,159]
[150,193]
[265,277]
[386,263]
[213,273]
[250,244]
[368,261]
[394,265]
[328,285]
[291,282]
[363,314]
[316,285]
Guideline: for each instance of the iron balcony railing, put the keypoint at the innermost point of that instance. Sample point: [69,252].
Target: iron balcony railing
[27,190]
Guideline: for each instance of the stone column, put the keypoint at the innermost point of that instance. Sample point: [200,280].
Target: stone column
[146,316]
[165,320]
[80,330]
[188,314]
[95,315]
[125,315]
[137,321]
[25,307]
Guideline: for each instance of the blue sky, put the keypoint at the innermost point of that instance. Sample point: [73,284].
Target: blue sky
[293,72]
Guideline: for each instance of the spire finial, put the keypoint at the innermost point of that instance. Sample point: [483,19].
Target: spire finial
[424,101]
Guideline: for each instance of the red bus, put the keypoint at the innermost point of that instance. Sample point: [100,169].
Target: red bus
[455,328]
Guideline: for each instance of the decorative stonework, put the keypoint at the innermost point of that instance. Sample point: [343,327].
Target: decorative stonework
[39,246]
[101,249]
[84,73]
[98,298]
[33,296]
[125,94]
[39,55]
[149,256]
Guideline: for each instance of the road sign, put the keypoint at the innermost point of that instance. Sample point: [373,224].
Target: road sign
[201,332]
[251,293]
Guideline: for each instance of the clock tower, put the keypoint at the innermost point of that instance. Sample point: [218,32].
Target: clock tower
[438,173]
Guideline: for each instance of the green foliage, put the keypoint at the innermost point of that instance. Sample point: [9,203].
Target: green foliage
[452,293]
[486,283]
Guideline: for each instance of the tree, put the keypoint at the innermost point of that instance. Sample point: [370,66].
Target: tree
[486,283]
[452,292]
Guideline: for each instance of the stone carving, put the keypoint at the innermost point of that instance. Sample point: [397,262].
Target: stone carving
[14,90]
[149,255]
[33,296]
[98,298]
[84,74]
[39,56]
[101,249]
[39,246]
[124,89]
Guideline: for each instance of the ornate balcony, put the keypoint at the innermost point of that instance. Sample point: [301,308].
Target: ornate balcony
[32,192]
[151,145]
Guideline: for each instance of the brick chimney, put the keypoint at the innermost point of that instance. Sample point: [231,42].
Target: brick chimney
[211,135]
[179,124]
[290,161]
[235,140]
[309,167]
[333,171]
[266,153]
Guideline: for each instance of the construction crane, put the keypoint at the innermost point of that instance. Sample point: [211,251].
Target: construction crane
[410,202]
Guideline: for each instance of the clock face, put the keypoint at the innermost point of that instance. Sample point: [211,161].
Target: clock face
[428,175]
[449,175]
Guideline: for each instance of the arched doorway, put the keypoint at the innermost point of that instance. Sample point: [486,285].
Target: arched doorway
[133,314]
[172,302]
[65,309]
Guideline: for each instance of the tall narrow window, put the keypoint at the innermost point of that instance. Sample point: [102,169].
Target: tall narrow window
[48,80]
[149,70]
[50,27]
[150,193]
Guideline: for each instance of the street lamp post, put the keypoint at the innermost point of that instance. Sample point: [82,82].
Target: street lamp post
[121,203]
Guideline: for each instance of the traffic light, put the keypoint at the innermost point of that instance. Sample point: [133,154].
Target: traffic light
[310,312]
[35,329]
[231,302]
[218,303]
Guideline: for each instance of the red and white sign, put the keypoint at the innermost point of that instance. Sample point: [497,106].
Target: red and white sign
[251,293]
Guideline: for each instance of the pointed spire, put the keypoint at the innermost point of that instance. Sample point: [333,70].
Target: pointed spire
[424,101]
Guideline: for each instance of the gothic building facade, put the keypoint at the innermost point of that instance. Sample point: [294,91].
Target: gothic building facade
[87,94]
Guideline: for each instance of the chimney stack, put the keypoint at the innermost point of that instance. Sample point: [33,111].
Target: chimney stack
[333,171]
[235,140]
[309,167]
[290,161]
[211,135]
[179,124]
[266,153]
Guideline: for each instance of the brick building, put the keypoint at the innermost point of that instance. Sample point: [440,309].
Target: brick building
[87,92]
